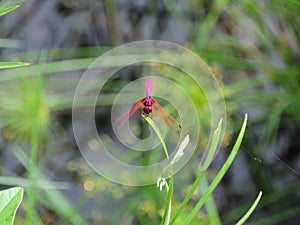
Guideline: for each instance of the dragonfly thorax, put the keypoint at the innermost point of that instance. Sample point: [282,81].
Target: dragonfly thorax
[147,105]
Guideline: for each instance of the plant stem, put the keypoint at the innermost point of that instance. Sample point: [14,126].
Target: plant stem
[157,131]
[31,198]
[167,213]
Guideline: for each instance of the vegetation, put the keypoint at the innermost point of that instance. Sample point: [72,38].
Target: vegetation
[253,49]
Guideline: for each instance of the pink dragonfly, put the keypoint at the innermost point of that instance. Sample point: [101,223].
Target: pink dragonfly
[148,102]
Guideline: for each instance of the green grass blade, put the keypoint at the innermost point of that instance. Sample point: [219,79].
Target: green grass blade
[269,198]
[220,175]
[52,67]
[43,184]
[7,65]
[9,3]
[31,170]
[278,218]
[211,153]
[210,205]
[250,211]
[213,146]
[9,9]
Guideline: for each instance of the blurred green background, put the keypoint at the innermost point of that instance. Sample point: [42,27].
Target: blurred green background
[253,48]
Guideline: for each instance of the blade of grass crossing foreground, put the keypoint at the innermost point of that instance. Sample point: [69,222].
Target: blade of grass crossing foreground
[220,175]
[211,153]
[250,211]
[210,205]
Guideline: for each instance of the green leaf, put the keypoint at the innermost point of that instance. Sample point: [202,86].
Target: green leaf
[7,10]
[7,65]
[10,200]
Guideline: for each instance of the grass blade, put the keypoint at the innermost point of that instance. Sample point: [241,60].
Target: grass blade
[278,218]
[250,211]
[210,205]
[220,175]
[213,146]
[44,184]
[9,9]
[7,65]
[269,199]
[211,153]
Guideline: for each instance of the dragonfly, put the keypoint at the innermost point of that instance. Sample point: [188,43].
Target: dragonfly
[148,102]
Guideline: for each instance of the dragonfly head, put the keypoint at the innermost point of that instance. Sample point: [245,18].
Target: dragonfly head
[147,110]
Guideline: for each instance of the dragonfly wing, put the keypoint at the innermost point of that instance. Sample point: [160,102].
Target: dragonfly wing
[125,116]
[166,116]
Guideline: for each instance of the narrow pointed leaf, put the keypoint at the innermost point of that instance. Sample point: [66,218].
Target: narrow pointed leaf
[250,211]
[7,10]
[7,65]
[220,175]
